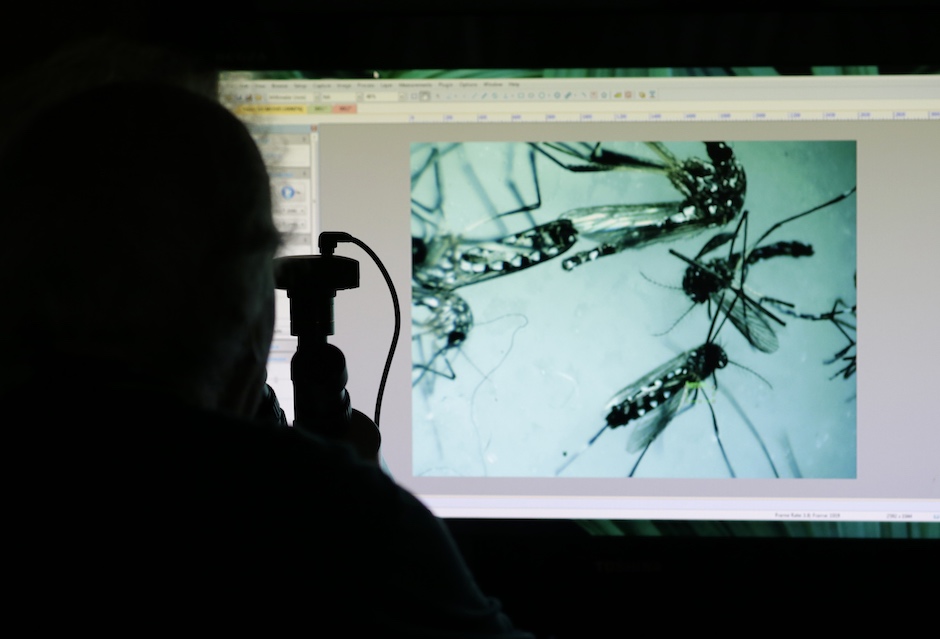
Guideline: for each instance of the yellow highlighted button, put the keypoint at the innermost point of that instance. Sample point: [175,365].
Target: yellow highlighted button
[271,109]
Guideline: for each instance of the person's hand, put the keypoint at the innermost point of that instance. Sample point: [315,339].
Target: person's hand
[364,435]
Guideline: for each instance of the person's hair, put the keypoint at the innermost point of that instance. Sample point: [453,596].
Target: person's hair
[135,228]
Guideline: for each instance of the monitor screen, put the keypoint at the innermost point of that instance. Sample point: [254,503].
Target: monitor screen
[625,298]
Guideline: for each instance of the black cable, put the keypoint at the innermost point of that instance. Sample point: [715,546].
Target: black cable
[328,241]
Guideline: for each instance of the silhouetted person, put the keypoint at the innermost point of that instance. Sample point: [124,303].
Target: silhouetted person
[136,246]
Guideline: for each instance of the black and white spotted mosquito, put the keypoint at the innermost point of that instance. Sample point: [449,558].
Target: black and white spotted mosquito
[441,321]
[712,194]
[712,281]
[649,404]
[444,260]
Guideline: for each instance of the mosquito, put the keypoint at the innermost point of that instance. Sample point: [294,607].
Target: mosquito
[442,319]
[444,261]
[650,403]
[712,193]
[712,282]
[484,248]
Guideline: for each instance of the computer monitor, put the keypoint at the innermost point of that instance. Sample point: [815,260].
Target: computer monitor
[626,298]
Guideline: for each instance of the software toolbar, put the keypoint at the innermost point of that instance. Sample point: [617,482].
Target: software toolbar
[589,99]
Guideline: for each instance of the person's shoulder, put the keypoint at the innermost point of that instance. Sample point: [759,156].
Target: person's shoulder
[260,455]
[168,451]
[225,509]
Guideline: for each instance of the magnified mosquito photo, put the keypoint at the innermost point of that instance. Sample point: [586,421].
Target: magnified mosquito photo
[634,309]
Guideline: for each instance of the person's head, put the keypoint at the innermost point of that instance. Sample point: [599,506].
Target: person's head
[136,233]
[76,64]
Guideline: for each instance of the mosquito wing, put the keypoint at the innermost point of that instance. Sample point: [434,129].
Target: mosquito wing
[716,241]
[617,227]
[650,403]
[602,223]
[749,318]
[648,429]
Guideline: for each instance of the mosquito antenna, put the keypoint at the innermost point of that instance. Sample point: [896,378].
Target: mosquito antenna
[660,284]
[752,372]
[674,324]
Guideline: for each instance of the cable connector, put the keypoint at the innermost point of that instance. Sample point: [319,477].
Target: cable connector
[329,239]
